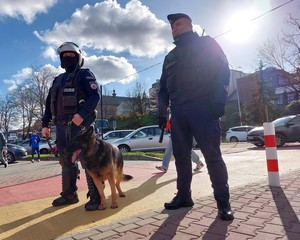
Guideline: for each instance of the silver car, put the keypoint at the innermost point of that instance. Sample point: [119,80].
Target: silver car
[115,134]
[44,146]
[143,139]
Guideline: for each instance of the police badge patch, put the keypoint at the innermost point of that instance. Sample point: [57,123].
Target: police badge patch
[93,85]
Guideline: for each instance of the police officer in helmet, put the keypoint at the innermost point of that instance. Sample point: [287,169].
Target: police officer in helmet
[194,83]
[70,106]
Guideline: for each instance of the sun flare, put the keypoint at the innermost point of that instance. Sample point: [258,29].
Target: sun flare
[239,26]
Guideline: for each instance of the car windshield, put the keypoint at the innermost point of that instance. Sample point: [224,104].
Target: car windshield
[281,121]
[140,134]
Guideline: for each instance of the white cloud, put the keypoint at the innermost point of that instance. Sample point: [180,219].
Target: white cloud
[107,26]
[51,53]
[17,78]
[26,73]
[27,9]
[108,69]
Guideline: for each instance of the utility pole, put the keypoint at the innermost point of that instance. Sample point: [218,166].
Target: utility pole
[262,89]
[237,92]
[239,105]
[101,108]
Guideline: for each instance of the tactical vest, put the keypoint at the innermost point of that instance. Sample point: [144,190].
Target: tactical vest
[65,100]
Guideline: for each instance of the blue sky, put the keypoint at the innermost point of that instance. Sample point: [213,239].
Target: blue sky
[120,38]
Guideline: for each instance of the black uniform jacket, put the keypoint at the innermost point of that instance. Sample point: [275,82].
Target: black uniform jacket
[196,70]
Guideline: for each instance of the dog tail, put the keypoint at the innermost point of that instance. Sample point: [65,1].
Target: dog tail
[127,177]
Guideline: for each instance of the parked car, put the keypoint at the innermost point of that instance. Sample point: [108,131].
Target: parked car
[15,152]
[238,134]
[114,135]
[287,129]
[101,124]
[44,146]
[143,139]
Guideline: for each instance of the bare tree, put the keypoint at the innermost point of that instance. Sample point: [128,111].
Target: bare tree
[154,98]
[30,97]
[38,87]
[8,113]
[291,38]
[138,102]
[283,52]
[27,105]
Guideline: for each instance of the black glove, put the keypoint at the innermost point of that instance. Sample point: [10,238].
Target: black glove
[162,122]
[217,110]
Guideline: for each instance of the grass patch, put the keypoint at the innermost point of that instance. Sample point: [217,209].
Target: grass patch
[43,156]
[150,154]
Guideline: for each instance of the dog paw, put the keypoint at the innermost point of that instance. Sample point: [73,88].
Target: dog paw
[121,194]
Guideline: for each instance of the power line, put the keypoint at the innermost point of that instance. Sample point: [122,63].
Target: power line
[253,19]
[259,16]
[134,73]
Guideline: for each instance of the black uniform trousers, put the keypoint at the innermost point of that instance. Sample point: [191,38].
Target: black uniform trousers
[64,137]
[190,120]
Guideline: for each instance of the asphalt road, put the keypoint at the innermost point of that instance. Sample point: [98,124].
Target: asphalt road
[27,190]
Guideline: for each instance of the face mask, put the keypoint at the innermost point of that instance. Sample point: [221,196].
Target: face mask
[69,63]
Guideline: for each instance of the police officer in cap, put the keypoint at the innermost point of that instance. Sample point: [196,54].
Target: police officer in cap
[70,105]
[194,83]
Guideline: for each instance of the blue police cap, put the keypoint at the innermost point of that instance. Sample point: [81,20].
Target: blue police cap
[175,16]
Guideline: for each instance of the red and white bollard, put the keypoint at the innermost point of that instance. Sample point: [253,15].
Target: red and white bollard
[271,154]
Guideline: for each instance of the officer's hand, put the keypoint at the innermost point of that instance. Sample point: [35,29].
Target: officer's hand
[46,132]
[217,110]
[162,122]
[77,119]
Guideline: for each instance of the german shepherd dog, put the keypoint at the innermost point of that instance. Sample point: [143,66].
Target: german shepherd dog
[103,161]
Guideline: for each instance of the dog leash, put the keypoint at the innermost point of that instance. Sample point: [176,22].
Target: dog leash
[51,147]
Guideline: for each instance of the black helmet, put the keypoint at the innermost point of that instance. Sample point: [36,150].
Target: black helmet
[70,47]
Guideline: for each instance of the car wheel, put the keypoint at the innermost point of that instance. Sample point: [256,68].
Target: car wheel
[280,140]
[44,151]
[233,139]
[10,157]
[124,148]
[259,144]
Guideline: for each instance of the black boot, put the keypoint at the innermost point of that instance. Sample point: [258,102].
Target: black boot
[69,188]
[180,201]
[65,200]
[225,212]
[94,202]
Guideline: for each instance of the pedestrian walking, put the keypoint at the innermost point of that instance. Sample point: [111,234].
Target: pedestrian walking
[3,150]
[70,105]
[194,83]
[35,145]
[169,153]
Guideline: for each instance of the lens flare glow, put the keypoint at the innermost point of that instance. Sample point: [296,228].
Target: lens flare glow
[240,27]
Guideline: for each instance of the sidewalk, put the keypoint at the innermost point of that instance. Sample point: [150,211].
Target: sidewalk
[28,189]
[261,213]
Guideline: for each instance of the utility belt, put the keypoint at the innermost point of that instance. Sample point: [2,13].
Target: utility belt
[65,119]
[62,119]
